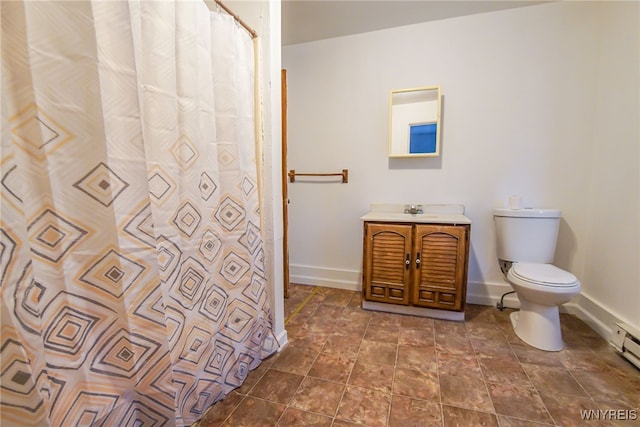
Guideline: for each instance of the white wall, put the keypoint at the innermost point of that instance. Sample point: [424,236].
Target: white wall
[527,110]
[612,267]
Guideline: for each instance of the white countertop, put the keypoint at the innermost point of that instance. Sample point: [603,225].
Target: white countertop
[432,214]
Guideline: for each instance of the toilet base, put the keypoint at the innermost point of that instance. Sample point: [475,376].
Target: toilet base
[538,326]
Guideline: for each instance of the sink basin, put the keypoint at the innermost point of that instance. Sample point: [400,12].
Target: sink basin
[433,214]
[412,216]
[453,218]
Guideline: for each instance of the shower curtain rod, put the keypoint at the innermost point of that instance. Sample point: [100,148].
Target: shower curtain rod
[237,18]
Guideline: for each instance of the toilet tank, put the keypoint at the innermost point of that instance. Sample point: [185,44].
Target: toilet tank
[526,235]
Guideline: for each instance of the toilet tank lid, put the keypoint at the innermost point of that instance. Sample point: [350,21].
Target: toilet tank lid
[528,213]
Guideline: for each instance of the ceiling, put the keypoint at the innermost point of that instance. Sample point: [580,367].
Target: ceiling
[309,20]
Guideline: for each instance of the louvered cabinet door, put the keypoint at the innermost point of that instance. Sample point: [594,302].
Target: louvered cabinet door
[440,259]
[386,276]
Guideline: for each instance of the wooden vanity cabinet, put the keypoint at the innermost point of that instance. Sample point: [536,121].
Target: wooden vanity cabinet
[420,265]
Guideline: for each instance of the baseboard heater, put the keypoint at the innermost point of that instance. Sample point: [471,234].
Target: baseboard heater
[626,340]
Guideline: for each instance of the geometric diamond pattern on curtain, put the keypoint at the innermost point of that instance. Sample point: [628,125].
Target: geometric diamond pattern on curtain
[218,358]
[187,219]
[230,213]
[251,239]
[195,344]
[113,273]
[189,288]
[30,298]
[203,393]
[74,323]
[237,373]
[239,321]
[207,186]
[160,185]
[139,414]
[90,409]
[255,289]
[37,133]
[101,184]
[151,308]
[17,376]
[140,225]
[184,152]
[11,184]
[226,157]
[259,332]
[125,354]
[53,235]
[168,257]
[214,304]
[8,246]
[175,324]
[210,245]
[247,186]
[234,268]
[259,260]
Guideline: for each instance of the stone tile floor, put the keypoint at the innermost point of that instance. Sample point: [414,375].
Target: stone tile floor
[345,366]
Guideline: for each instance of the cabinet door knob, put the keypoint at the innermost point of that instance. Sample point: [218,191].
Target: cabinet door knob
[418,260]
[407,261]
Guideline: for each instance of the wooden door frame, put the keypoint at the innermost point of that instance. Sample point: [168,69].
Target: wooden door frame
[285,190]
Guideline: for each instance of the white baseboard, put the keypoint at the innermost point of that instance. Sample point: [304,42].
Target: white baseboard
[593,314]
[330,278]
[283,339]
[490,294]
[583,307]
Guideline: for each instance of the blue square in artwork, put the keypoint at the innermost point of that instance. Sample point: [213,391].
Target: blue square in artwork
[422,138]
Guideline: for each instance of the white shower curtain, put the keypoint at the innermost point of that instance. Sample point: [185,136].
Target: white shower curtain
[133,277]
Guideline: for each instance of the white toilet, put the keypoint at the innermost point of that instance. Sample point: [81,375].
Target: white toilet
[526,244]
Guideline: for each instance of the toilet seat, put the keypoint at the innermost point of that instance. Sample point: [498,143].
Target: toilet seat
[546,275]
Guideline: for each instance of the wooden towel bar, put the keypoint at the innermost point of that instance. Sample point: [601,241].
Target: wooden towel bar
[345,175]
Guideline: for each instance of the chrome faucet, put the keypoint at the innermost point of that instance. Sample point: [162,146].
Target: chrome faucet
[413,209]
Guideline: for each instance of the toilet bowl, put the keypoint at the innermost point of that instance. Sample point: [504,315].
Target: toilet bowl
[526,243]
[541,288]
